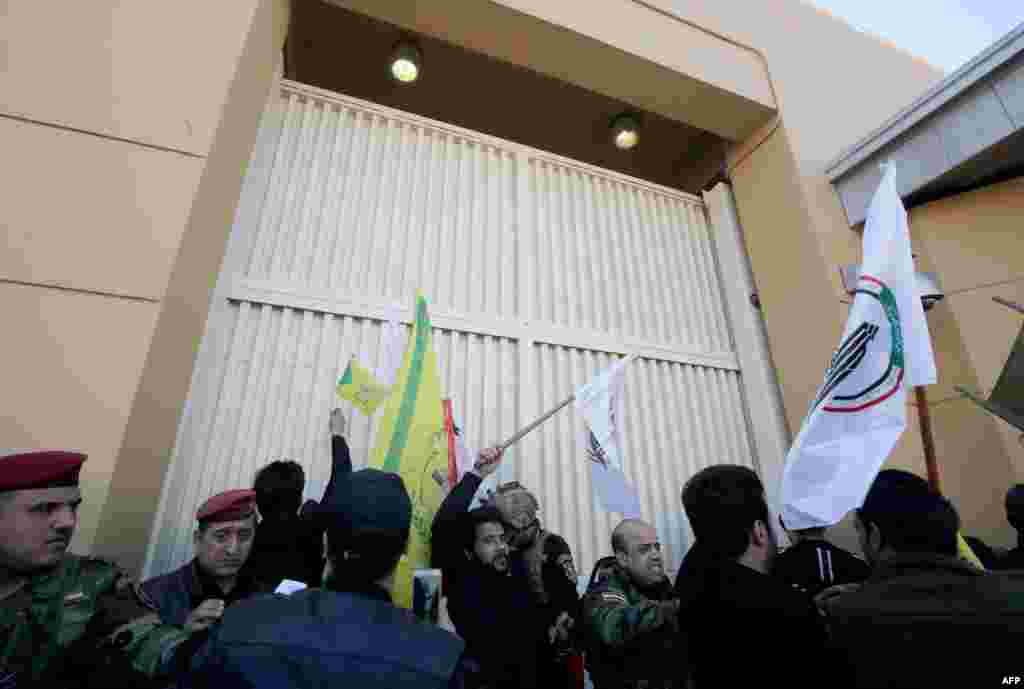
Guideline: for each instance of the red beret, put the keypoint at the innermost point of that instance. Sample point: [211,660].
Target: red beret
[228,506]
[39,469]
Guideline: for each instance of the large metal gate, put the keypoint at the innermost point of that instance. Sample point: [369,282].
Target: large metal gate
[537,268]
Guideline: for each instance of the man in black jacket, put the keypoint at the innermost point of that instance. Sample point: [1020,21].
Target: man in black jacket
[1015,515]
[741,623]
[812,564]
[348,633]
[289,545]
[924,618]
[491,609]
[545,560]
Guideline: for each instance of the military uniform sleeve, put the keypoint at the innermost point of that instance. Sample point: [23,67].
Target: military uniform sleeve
[612,620]
[128,628]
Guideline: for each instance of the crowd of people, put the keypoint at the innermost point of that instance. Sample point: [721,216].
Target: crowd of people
[913,614]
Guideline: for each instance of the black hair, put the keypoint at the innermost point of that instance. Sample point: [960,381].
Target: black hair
[722,503]
[363,556]
[909,515]
[473,519]
[279,487]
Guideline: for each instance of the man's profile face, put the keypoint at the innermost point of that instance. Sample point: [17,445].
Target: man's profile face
[36,527]
[223,547]
[489,547]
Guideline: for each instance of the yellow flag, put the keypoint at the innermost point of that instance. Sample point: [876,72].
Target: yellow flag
[412,443]
[966,553]
[362,389]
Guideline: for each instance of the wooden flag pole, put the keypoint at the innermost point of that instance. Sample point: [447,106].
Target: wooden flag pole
[1006,302]
[927,439]
[924,416]
[526,429]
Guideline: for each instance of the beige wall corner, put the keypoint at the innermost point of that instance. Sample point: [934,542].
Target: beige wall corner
[70,366]
[150,433]
[768,426]
[798,300]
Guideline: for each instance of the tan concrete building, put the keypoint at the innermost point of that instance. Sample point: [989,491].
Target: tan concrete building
[208,208]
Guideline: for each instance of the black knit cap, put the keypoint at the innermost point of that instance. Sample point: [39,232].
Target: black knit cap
[895,491]
[367,499]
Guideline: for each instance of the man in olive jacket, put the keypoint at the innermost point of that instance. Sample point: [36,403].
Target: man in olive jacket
[631,617]
[69,621]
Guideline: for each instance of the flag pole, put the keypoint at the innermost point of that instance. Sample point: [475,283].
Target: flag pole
[927,439]
[1006,302]
[932,466]
[548,414]
[526,429]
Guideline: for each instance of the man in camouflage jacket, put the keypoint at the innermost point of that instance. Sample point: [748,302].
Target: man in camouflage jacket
[631,617]
[68,621]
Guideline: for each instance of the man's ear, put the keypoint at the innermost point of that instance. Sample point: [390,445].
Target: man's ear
[469,555]
[874,535]
[759,534]
[622,559]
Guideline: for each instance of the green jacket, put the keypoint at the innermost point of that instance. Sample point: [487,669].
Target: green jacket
[632,636]
[85,624]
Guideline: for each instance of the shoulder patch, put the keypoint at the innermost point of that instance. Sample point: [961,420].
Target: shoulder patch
[612,597]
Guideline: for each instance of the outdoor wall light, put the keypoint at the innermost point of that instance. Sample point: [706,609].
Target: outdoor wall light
[625,132]
[405,63]
[928,286]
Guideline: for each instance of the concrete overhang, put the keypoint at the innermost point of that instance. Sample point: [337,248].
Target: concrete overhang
[660,64]
[965,132]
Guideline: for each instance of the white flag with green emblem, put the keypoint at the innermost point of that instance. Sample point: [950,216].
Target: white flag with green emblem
[860,409]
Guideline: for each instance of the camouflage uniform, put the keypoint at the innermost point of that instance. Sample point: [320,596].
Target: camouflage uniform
[85,624]
[632,637]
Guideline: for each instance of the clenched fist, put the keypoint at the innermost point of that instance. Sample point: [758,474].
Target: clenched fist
[487,462]
[208,612]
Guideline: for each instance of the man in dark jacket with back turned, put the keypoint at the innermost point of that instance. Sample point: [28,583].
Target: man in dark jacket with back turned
[739,621]
[289,545]
[924,618]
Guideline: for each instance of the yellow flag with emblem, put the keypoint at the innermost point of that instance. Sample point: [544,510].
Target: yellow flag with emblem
[412,442]
[362,389]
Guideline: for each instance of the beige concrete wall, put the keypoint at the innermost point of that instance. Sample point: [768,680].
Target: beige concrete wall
[109,122]
[974,243]
[163,386]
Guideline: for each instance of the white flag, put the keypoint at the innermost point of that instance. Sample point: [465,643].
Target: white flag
[597,402]
[860,409]
[393,341]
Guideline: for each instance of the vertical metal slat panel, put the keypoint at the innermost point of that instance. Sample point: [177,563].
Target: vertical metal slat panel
[370,204]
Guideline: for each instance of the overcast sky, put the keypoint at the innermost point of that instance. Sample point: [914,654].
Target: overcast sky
[946,33]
